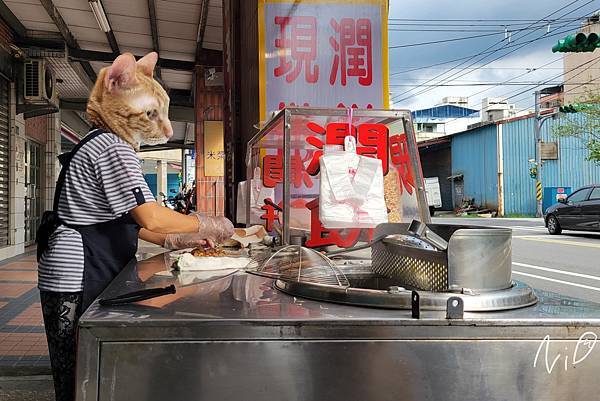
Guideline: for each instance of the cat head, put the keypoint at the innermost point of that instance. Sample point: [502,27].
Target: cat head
[128,101]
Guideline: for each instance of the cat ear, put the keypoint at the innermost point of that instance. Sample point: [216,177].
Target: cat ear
[147,63]
[121,74]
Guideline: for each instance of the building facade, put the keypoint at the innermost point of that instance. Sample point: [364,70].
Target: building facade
[582,70]
[443,119]
[29,145]
[490,165]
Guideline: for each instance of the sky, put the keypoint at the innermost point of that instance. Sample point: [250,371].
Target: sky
[532,55]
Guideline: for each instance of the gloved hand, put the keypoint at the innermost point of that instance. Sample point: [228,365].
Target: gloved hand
[212,230]
[184,241]
[216,229]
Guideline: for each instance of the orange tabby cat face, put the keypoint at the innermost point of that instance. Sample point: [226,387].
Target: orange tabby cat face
[129,102]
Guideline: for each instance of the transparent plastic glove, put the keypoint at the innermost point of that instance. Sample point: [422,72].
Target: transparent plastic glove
[184,241]
[216,229]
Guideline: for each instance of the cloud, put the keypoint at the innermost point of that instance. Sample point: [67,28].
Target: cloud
[508,67]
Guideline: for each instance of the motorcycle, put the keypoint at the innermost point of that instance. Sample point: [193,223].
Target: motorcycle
[181,202]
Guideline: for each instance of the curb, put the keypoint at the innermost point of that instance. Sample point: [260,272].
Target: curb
[21,371]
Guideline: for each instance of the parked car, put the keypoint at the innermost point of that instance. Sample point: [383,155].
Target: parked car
[579,211]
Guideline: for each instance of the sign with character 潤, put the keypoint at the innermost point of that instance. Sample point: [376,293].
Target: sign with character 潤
[323,54]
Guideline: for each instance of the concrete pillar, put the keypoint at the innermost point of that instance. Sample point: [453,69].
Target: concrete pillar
[51,165]
[199,108]
[161,178]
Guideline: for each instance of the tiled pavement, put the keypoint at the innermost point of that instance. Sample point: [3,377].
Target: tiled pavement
[23,345]
[22,338]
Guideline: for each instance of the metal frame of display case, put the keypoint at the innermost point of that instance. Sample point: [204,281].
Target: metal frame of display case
[287,113]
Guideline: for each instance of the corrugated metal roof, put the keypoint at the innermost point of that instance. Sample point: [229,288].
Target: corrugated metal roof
[32,14]
[177,23]
[445,111]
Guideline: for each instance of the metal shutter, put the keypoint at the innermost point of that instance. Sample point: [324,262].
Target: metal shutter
[4,160]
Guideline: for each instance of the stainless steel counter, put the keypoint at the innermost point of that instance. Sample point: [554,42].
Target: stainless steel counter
[237,338]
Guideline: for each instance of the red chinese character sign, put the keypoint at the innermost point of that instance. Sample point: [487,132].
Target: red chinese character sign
[311,136]
[323,54]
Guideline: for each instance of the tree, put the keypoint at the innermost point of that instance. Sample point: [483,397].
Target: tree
[584,125]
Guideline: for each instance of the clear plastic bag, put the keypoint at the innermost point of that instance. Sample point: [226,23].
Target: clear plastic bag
[351,192]
[258,194]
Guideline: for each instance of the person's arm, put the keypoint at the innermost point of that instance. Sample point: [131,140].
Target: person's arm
[162,220]
[118,170]
[155,238]
[172,230]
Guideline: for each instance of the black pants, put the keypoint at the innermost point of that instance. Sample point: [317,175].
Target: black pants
[61,312]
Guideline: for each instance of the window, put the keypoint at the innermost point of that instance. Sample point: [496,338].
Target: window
[579,196]
[595,194]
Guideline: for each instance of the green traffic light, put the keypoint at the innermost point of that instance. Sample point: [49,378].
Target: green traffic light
[591,42]
[569,108]
[577,43]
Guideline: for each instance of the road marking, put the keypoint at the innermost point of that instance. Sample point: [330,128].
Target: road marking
[587,287]
[548,269]
[557,241]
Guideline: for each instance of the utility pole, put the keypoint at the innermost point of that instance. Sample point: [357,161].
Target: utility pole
[538,154]
[539,122]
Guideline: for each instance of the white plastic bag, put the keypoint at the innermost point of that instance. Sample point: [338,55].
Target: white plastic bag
[258,194]
[352,194]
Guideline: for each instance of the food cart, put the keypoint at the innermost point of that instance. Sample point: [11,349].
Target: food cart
[391,321]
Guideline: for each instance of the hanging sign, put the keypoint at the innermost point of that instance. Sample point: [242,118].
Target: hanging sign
[323,54]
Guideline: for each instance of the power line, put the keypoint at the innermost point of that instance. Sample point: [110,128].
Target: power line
[491,47]
[520,92]
[494,32]
[497,68]
[523,21]
[480,67]
[497,58]
[428,30]
[518,76]
[444,40]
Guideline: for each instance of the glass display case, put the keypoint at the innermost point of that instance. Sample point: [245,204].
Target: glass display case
[284,159]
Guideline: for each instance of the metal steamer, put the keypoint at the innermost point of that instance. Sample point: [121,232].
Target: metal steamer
[475,268]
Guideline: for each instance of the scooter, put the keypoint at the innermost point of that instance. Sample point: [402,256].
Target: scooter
[177,203]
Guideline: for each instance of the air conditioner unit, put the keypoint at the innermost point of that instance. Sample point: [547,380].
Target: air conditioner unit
[40,84]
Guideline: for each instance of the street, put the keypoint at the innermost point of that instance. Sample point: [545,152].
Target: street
[568,264]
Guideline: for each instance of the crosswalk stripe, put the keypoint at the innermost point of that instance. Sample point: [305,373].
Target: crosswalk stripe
[557,241]
[549,269]
[588,287]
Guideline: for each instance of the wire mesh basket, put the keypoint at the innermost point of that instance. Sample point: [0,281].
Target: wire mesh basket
[298,264]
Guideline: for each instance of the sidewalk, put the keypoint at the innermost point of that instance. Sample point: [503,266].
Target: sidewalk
[23,348]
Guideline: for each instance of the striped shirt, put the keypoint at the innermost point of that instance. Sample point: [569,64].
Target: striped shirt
[99,187]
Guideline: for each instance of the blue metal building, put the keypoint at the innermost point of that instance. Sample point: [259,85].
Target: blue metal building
[493,161]
[444,111]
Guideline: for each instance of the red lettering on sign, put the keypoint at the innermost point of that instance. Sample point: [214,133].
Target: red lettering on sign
[272,170]
[320,236]
[401,160]
[298,172]
[353,51]
[271,215]
[375,139]
[374,136]
[298,39]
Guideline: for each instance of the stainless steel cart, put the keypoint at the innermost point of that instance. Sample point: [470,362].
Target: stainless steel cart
[239,338]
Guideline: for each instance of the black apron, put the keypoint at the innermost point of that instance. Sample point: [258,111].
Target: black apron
[107,246]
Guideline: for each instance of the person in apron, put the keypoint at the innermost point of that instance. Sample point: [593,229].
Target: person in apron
[102,205]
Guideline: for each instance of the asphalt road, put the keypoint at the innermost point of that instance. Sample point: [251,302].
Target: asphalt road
[568,263]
